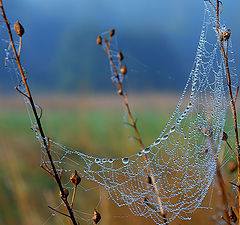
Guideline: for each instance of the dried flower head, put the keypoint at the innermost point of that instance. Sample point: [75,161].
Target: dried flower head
[120,56]
[226,35]
[123,70]
[66,193]
[19,29]
[96,216]
[112,32]
[75,178]
[225,136]
[99,40]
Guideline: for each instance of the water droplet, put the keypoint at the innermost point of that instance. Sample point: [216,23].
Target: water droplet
[165,137]
[104,160]
[125,160]
[97,160]
[146,150]
[139,154]
[110,160]
[157,141]
[53,214]
[172,129]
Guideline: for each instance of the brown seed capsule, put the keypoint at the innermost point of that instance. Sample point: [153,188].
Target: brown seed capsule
[232,166]
[120,56]
[96,216]
[123,70]
[226,35]
[232,215]
[112,32]
[66,193]
[149,180]
[120,92]
[225,136]
[19,29]
[99,40]
[75,179]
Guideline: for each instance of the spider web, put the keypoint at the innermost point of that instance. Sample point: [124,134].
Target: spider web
[174,173]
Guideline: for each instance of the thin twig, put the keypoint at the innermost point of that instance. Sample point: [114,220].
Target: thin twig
[236,95]
[232,102]
[73,197]
[20,47]
[31,101]
[55,210]
[119,86]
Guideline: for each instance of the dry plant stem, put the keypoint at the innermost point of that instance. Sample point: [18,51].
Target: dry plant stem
[31,101]
[20,47]
[232,102]
[73,197]
[223,192]
[231,148]
[133,124]
[55,210]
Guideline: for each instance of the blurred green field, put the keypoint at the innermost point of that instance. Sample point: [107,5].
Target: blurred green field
[26,190]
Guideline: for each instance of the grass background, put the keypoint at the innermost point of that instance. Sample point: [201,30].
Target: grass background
[90,124]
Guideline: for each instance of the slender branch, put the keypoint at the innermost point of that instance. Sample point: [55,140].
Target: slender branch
[228,77]
[231,148]
[31,101]
[119,85]
[236,95]
[223,192]
[73,196]
[55,210]
[20,47]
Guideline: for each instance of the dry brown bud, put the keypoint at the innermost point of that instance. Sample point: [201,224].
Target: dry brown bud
[232,215]
[120,56]
[232,166]
[66,193]
[96,216]
[120,92]
[99,40]
[226,35]
[123,70]
[149,180]
[112,32]
[225,136]
[19,29]
[75,178]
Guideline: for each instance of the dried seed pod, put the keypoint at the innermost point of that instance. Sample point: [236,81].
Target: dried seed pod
[232,166]
[120,92]
[99,40]
[66,193]
[96,216]
[225,136]
[123,70]
[19,29]
[232,215]
[120,56]
[112,32]
[226,35]
[75,178]
[149,180]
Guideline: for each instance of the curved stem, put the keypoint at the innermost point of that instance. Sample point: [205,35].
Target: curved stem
[39,125]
